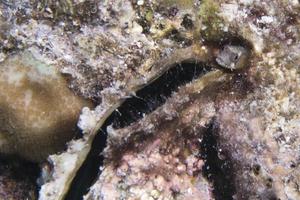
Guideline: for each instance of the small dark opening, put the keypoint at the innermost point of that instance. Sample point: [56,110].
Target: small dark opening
[147,99]
[23,172]
[231,39]
[218,168]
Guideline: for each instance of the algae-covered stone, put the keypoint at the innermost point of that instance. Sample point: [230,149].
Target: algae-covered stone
[111,49]
[212,24]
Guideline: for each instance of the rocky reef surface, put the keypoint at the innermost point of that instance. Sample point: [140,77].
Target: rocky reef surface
[174,99]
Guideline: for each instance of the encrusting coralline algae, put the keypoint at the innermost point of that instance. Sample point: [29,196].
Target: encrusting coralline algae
[231,133]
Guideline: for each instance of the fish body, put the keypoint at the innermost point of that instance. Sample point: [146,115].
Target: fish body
[232,57]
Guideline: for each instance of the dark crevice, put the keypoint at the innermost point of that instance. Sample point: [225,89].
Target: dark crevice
[147,99]
[156,93]
[20,173]
[89,170]
[229,39]
[218,168]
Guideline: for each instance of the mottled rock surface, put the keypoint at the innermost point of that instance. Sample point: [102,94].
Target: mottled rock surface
[110,49]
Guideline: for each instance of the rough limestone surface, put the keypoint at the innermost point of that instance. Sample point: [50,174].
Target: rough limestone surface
[108,49]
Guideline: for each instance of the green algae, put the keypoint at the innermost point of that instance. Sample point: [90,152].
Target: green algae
[179,3]
[212,24]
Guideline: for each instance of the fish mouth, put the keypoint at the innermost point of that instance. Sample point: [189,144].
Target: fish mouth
[221,62]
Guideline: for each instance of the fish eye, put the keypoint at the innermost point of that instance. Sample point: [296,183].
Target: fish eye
[236,57]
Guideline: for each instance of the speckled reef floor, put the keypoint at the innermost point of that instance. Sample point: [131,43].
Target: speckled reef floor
[157,99]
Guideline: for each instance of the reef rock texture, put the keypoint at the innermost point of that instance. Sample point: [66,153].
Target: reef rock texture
[229,132]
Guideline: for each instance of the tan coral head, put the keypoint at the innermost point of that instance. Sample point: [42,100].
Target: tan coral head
[38,113]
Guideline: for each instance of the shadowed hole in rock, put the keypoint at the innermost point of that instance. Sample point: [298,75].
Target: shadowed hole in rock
[218,168]
[18,178]
[147,100]
[156,93]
